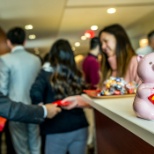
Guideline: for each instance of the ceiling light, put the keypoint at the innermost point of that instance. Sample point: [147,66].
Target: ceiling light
[89,33]
[77,44]
[94,27]
[143,42]
[28,27]
[83,37]
[111,10]
[79,58]
[32,36]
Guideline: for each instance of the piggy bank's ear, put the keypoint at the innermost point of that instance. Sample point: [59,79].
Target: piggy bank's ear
[139,57]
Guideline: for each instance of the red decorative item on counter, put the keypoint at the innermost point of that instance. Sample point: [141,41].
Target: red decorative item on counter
[116,92]
[151,98]
[59,103]
[92,92]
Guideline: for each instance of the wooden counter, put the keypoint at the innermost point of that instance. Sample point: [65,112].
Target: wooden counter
[118,130]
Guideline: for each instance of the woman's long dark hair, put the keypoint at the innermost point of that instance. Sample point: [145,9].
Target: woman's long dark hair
[124,51]
[66,78]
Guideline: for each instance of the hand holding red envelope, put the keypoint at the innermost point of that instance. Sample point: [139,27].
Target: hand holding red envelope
[59,103]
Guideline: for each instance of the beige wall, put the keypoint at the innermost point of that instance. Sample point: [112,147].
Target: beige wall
[141,29]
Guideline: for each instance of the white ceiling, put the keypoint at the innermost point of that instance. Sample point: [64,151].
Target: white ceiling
[53,19]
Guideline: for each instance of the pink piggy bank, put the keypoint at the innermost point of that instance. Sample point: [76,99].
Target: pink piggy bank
[143,104]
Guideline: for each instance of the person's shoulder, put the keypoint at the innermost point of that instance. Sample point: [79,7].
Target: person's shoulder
[134,57]
[143,50]
[32,56]
[5,56]
[47,67]
[90,59]
[45,72]
[134,60]
[43,75]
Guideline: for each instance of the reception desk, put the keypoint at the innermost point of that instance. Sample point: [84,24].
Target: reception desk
[118,130]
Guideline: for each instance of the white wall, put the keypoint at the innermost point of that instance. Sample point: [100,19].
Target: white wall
[140,29]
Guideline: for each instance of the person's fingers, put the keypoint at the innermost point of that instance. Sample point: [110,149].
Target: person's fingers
[66,100]
[58,110]
[67,108]
[70,106]
[54,104]
[52,110]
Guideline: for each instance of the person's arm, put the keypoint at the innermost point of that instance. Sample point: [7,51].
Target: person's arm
[25,113]
[77,101]
[4,77]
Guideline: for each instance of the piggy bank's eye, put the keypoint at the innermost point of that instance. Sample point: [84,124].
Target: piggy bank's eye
[150,63]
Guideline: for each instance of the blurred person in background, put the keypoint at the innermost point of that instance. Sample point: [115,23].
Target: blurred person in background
[91,65]
[18,70]
[150,47]
[91,71]
[8,141]
[58,79]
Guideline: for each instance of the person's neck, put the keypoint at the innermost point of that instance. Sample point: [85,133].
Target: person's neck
[113,62]
[94,52]
[18,45]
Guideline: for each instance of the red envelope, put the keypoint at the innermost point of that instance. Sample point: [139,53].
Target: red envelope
[59,103]
[2,123]
[151,98]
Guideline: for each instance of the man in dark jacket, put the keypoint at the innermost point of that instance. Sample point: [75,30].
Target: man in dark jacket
[26,113]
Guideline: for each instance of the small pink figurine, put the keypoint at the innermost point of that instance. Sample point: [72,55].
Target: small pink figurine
[144,100]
